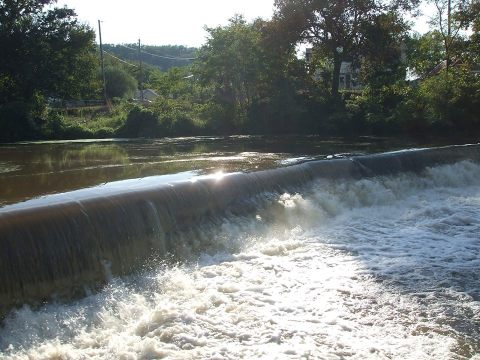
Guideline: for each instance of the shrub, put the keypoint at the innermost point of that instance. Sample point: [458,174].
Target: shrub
[54,127]
[183,125]
[104,133]
[119,83]
[452,100]
[140,123]
[21,120]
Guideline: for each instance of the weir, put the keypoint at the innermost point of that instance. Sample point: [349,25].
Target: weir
[59,245]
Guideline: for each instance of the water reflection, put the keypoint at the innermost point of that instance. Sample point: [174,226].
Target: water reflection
[29,170]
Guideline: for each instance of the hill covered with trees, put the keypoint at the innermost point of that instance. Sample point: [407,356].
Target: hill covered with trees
[162,57]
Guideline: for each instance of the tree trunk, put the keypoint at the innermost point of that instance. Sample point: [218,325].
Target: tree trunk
[337,62]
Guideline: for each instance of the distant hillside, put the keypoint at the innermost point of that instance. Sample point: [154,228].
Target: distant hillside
[163,57]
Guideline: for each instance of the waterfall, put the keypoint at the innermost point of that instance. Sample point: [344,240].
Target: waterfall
[59,245]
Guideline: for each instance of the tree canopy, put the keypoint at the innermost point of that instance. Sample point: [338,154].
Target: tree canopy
[119,83]
[340,30]
[425,52]
[46,52]
[247,78]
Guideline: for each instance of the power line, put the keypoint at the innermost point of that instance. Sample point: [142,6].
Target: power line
[117,58]
[168,57]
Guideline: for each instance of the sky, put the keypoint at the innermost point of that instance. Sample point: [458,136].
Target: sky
[168,22]
[163,22]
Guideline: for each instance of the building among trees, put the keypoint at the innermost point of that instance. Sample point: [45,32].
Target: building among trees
[349,74]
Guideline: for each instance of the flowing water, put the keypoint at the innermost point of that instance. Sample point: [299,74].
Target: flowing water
[31,170]
[385,267]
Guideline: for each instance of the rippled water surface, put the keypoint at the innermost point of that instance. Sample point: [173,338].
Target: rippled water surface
[31,170]
[381,268]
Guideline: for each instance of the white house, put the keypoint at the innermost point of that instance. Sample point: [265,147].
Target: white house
[348,79]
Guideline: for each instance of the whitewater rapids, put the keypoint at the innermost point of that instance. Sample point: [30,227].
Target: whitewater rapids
[379,268]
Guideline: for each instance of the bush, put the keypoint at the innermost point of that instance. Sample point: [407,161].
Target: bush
[375,109]
[119,83]
[104,133]
[446,104]
[77,132]
[452,100]
[21,120]
[54,127]
[140,123]
[183,125]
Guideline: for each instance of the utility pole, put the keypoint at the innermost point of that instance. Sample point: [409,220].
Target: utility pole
[141,70]
[102,63]
[449,34]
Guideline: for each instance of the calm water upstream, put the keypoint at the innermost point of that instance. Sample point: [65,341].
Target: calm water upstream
[385,267]
[30,170]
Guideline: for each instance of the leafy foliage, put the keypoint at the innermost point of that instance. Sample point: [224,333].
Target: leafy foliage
[425,52]
[383,58]
[339,30]
[46,53]
[119,84]
[250,83]
[247,77]
[448,24]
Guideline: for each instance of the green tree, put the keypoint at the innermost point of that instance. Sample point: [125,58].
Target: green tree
[119,83]
[383,50]
[283,101]
[252,76]
[231,64]
[175,83]
[444,104]
[424,52]
[448,23]
[469,16]
[45,53]
[337,29]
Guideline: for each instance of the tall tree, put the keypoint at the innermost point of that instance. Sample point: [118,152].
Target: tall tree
[119,83]
[231,63]
[251,76]
[469,16]
[45,52]
[424,52]
[383,50]
[335,28]
[448,23]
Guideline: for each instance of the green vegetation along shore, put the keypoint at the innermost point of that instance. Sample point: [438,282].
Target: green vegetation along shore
[365,73]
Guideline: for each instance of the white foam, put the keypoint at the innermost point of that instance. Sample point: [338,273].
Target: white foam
[370,269]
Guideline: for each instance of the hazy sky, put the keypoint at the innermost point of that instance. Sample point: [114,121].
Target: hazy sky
[163,22]
[166,22]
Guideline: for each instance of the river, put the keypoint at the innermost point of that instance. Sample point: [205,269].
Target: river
[29,170]
[384,267]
